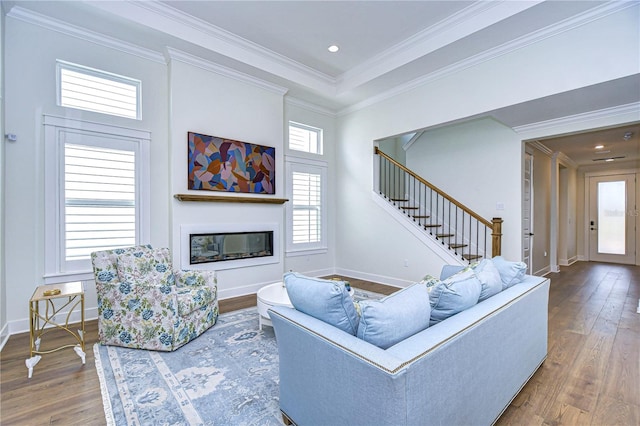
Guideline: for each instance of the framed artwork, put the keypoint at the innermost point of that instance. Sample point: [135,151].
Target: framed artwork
[218,164]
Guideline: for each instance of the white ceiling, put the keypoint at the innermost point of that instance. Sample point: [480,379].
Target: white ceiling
[384,45]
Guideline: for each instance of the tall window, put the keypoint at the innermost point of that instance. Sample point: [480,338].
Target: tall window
[306,188]
[96,193]
[99,91]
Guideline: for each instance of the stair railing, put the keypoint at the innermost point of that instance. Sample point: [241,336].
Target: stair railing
[461,229]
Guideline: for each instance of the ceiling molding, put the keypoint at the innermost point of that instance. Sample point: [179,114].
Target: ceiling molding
[479,15]
[548,125]
[171,21]
[506,48]
[562,159]
[540,147]
[177,55]
[62,27]
[289,100]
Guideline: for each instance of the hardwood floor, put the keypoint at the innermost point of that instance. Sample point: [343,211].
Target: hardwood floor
[592,372]
[591,375]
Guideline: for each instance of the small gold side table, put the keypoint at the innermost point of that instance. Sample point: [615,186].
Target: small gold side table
[40,323]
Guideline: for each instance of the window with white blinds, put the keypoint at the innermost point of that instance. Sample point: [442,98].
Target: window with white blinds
[99,91]
[305,138]
[307,204]
[306,211]
[97,193]
[100,199]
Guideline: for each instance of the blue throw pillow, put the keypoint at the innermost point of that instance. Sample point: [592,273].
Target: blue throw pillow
[510,272]
[326,300]
[455,294]
[489,278]
[392,319]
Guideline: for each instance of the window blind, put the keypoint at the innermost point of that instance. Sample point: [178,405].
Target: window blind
[306,200]
[100,210]
[305,138]
[97,91]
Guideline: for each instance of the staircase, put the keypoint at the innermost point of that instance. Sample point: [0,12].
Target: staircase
[443,218]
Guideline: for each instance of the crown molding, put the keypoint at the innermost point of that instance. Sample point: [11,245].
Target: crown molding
[479,15]
[591,15]
[289,100]
[547,126]
[562,158]
[62,27]
[177,55]
[171,21]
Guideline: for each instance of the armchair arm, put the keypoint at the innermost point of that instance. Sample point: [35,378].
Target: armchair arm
[191,278]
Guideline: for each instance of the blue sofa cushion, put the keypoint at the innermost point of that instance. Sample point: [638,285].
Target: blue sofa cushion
[326,300]
[489,278]
[449,270]
[510,272]
[392,319]
[452,295]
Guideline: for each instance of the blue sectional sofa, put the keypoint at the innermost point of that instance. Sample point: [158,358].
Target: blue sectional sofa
[464,370]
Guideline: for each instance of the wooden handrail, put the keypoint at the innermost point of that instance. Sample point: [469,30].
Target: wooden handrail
[475,215]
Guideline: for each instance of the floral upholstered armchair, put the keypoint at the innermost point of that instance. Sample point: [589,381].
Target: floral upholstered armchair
[143,303]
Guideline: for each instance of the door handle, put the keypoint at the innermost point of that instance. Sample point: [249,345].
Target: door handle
[530,234]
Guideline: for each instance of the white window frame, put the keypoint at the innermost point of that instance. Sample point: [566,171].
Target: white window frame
[304,165]
[57,269]
[81,69]
[320,137]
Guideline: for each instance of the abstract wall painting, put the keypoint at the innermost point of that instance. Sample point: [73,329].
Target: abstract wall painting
[219,164]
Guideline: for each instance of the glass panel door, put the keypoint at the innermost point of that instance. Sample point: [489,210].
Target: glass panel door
[611,229]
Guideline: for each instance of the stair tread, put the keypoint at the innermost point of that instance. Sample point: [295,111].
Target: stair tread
[455,246]
[432,226]
[471,256]
[399,199]
[421,216]
[444,235]
[409,208]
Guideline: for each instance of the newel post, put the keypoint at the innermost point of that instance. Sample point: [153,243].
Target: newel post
[496,236]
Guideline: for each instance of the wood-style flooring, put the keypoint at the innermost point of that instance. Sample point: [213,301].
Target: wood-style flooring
[591,375]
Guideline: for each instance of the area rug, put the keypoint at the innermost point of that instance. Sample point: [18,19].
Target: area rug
[227,376]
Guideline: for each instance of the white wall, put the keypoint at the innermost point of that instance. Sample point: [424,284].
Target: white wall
[541,212]
[369,242]
[30,58]
[466,160]
[206,102]
[568,212]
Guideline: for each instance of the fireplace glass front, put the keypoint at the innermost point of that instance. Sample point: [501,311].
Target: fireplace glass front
[218,247]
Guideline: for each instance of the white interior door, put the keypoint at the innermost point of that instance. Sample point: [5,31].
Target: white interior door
[527,203]
[612,233]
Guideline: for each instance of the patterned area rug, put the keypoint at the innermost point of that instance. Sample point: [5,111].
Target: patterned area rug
[227,376]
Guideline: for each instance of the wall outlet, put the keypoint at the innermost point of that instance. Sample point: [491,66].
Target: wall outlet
[406,263]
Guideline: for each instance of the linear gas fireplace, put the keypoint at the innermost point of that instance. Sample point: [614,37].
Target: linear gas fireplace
[227,246]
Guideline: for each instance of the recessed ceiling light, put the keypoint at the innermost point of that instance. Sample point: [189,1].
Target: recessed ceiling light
[608,159]
[333,48]
[599,146]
